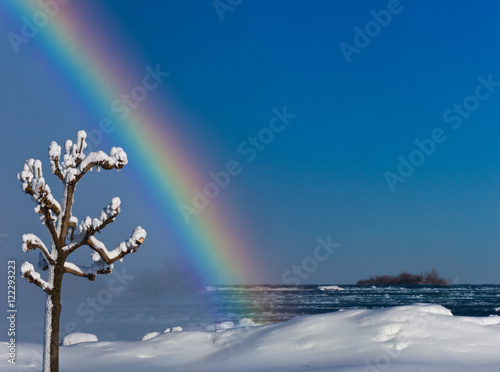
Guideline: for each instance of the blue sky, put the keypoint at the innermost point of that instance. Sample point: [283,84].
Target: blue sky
[325,174]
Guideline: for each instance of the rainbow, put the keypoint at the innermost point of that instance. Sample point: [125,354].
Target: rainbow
[150,135]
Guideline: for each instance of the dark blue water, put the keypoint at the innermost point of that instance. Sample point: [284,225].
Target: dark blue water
[276,303]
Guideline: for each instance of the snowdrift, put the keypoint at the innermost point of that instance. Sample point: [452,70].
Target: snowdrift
[419,337]
[330,288]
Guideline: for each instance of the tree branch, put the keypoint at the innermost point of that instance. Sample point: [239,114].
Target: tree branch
[54,156]
[28,272]
[89,227]
[74,155]
[89,272]
[31,241]
[69,191]
[117,159]
[48,220]
[73,222]
[52,230]
[34,185]
[129,246]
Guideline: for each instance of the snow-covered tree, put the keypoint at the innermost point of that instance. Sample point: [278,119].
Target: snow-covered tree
[65,232]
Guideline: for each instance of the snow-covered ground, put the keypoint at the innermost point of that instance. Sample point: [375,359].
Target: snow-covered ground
[407,338]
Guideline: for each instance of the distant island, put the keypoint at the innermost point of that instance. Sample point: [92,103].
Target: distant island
[426,278]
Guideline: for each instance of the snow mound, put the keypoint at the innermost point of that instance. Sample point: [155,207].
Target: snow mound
[330,288]
[245,322]
[149,336]
[220,326]
[78,338]
[174,329]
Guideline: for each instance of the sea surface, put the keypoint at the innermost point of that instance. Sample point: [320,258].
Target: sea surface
[130,316]
[276,303]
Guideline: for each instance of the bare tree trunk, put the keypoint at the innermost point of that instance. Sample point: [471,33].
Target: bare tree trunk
[52,316]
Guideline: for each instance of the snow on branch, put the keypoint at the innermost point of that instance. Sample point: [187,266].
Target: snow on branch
[129,246]
[75,163]
[34,184]
[31,241]
[28,272]
[117,159]
[55,156]
[73,222]
[108,215]
[89,272]
[74,151]
[88,227]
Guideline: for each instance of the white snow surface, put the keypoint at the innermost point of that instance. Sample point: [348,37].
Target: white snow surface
[78,338]
[418,337]
[149,336]
[330,288]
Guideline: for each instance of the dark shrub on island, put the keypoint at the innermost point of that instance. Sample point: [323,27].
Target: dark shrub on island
[426,278]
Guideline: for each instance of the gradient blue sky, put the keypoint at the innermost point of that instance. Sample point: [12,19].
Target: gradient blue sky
[324,174]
